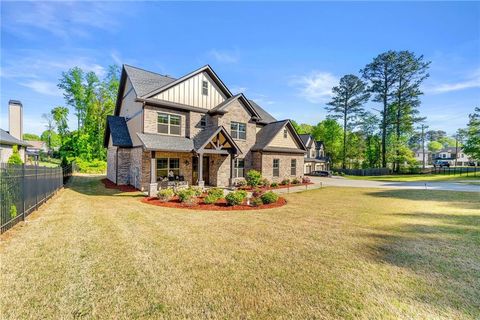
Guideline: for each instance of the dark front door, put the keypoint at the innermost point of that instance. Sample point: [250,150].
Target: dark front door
[206,170]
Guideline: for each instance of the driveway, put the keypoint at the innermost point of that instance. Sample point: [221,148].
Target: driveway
[434,185]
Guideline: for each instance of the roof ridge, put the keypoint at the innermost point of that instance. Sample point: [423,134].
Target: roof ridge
[153,72]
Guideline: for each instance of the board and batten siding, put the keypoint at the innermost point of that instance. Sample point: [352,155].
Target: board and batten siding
[280,141]
[189,92]
[133,112]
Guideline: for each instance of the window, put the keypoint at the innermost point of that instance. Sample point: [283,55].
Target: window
[293,167]
[276,167]
[203,121]
[285,133]
[312,153]
[165,165]
[238,130]
[205,88]
[169,124]
[239,168]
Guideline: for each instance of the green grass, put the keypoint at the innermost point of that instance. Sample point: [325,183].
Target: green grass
[331,253]
[419,177]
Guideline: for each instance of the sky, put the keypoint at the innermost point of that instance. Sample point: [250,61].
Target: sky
[286,56]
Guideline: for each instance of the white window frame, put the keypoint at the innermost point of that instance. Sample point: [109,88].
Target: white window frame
[176,171]
[238,172]
[169,124]
[276,168]
[235,133]
[293,167]
[204,87]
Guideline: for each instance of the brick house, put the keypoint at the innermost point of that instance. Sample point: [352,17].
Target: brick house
[193,129]
[315,158]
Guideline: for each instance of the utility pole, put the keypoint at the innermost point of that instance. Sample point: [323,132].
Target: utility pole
[423,127]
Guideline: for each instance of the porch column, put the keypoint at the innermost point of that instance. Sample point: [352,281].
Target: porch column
[232,165]
[153,187]
[201,183]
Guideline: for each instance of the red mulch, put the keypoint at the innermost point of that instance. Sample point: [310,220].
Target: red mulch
[221,205]
[124,188]
[280,186]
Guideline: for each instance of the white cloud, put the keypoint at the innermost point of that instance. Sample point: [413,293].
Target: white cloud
[43,87]
[469,82]
[224,56]
[316,87]
[238,89]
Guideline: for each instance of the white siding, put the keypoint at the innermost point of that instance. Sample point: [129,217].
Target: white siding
[132,110]
[280,141]
[189,92]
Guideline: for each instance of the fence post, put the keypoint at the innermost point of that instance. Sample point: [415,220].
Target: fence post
[36,185]
[23,191]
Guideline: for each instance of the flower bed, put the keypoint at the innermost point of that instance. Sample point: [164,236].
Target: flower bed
[280,186]
[124,188]
[220,205]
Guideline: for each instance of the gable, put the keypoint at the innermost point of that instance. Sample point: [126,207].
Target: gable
[189,92]
[279,139]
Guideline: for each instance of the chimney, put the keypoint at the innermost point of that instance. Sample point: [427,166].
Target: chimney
[15,119]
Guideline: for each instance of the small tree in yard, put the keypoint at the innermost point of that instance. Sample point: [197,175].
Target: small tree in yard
[15,157]
[472,133]
[253,178]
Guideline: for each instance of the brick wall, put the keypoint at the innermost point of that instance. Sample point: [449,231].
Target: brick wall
[150,120]
[123,166]
[267,166]
[111,164]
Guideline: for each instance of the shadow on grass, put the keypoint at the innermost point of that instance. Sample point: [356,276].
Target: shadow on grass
[461,200]
[92,186]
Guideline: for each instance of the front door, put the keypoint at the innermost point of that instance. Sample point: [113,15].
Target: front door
[206,170]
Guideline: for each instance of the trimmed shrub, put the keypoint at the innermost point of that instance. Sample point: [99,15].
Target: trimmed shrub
[265,182]
[215,192]
[236,197]
[210,199]
[253,178]
[186,195]
[295,181]
[165,195]
[274,185]
[285,182]
[13,211]
[15,157]
[197,191]
[306,180]
[269,197]
[94,166]
[257,192]
[256,202]
[241,183]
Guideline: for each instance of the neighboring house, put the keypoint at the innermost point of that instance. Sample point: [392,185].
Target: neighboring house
[7,141]
[450,154]
[418,154]
[315,158]
[194,129]
[36,147]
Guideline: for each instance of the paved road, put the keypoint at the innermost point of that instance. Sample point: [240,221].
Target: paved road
[451,186]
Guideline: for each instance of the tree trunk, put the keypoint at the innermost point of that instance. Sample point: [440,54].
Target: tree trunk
[344,158]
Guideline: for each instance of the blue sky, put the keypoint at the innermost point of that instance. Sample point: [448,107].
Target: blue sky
[286,56]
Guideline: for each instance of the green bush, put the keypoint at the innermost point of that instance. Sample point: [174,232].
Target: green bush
[197,191]
[236,197]
[253,178]
[93,166]
[295,181]
[269,197]
[265,182]
[256,202]
[285,182]
[241,183]
[13,211]
[186,195]
[210,199]
[215,192]
[165,194]
[15,157]
[274,185]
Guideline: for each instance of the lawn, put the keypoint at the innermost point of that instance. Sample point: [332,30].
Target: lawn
[329,253]
[419,177]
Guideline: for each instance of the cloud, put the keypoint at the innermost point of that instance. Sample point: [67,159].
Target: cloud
[469,82]
[224,56]
[238,89]
[43,87]
[316,87]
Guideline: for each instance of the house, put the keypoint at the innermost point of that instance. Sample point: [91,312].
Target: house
[13,137]
[418,154]
[452,153]
[194,129]
[315,158]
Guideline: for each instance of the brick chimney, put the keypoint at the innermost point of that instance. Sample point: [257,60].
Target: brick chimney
[15,119]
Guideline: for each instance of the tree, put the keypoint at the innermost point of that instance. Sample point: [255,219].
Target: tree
[330,132]
[15,157]
[60,116]
[74,92]
[472,135]
[447,142]
[380,74]
[347,105]
[434,146]
[435,135]
[369,130]
[51,138]
[50,125]
[31,137]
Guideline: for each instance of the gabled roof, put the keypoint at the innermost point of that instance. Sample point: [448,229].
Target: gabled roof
[222,107]
[265,117]
[223,88]
[267,133]
[117,127]
[305,137]
[6,138]
[36,144]
[319,144]
[206,135]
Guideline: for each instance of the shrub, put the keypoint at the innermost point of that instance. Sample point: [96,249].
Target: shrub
[295,181]
[241,183]
[253,178]
[269,197]
[236,197]
[210,199]
[265,182]
[257,192]
[165,194]
[274,185]
[197,191]
[185,195]
[306,180]
[215,192]
[15,157]
[93,166]
[285,182]
[256,202]
[13,211]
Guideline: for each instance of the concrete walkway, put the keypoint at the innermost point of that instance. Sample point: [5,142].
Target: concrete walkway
[434,185]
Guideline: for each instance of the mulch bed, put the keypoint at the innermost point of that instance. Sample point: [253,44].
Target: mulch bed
[110,185]
[221,205]
[280,186]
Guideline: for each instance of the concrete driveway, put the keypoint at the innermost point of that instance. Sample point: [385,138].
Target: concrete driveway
[434,185]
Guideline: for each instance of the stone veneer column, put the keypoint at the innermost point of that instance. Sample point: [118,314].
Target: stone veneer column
[153,187]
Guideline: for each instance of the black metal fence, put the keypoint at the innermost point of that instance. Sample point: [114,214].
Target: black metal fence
[364,172]
[466,171]
[24,188]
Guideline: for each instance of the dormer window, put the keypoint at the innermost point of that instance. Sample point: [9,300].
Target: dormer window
[205,88]
[285,133]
